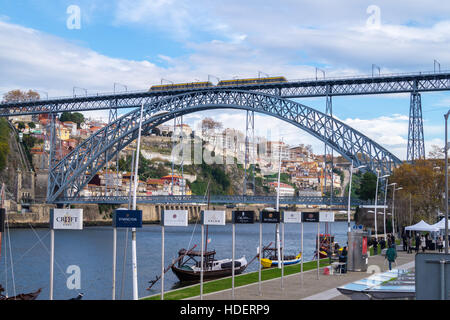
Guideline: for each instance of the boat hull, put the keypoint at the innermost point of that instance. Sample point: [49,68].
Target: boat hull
[194,276]
[268,263]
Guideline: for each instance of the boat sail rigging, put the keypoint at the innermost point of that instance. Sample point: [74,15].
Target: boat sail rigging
[3,221]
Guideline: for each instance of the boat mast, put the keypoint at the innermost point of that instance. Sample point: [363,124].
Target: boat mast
[2,217]
[206,242]
[277,209]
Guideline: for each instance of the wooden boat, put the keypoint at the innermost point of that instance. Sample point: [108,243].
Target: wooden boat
[272,261]
[188,268]
[325,243]
[22,296]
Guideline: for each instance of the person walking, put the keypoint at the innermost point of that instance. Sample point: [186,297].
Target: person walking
[439,243]
[391,255]
[409,244]
[423,243]
[405,242]
[417,243]
[375,246]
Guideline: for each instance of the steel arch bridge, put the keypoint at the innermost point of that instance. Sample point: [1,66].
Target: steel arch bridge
[68,176]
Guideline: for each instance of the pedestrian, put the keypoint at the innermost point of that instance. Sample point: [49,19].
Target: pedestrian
[409,244]
[423,243]
[417,243]
[405,242]
[382,243]
[375,246]
[439,244]
[391,255]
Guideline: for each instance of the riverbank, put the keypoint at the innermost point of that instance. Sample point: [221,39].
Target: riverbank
[311,288]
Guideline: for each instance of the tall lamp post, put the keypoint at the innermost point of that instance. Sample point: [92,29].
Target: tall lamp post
[350,193]
[446,183]
[384,210]
[393,204]
[376,196]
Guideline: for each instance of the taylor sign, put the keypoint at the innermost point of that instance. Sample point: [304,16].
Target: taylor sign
[66,219]
[213,217]
[174,218]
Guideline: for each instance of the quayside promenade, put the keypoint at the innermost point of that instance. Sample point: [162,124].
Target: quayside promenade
[312,289]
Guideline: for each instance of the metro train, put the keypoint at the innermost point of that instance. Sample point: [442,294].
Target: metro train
[222,83]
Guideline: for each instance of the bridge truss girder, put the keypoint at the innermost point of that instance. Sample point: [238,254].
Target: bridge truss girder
[72,173]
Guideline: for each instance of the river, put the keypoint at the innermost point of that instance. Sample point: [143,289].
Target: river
[91,251]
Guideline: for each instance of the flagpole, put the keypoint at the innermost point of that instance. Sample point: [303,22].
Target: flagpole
[133,230]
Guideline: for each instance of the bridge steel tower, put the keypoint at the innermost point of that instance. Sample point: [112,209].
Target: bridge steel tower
[249,164]
[416,145]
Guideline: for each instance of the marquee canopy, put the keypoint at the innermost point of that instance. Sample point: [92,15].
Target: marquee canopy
[422,226]
[440,225]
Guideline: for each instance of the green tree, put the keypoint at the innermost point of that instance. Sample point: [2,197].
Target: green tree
[21,126]
[4,144]
[367,187]
[76,117]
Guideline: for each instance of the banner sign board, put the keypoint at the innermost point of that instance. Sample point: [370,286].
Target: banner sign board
[2,219]
[326,216]
[310,217]
[174,218]
[292,217]
[213,217]
[269,216]
[127,219]
[243,216]
[66,219]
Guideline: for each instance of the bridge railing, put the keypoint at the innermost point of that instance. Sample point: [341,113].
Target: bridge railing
[290,81]
[219,199]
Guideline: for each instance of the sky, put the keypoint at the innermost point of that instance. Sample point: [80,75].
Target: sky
[58,46]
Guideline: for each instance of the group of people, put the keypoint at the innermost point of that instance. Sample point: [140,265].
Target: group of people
[391,252]
[375,242]
[420,243]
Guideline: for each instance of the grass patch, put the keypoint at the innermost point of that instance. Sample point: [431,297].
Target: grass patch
[240,280]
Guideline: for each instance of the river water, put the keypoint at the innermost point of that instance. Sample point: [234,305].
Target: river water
[91,251]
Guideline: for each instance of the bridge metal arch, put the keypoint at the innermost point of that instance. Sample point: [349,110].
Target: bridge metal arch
[68,177]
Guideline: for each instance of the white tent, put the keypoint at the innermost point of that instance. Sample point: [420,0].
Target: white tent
[422,226]
[440,225]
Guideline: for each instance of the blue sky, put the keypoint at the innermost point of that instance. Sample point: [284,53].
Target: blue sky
[138,42]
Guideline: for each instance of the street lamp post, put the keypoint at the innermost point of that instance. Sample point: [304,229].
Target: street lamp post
[446,183]
[350,193]
[384,210]
[376,201]
[393,204]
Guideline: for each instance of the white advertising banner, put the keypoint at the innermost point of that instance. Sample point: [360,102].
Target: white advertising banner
[213,217]
[326,216]
[292,217]
[175,218]
[66,219]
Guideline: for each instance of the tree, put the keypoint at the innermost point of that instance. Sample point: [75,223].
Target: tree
[19,96]
[21,126]
[208,125]
[367,186]
[76,117]
[425,181]
[436,152]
